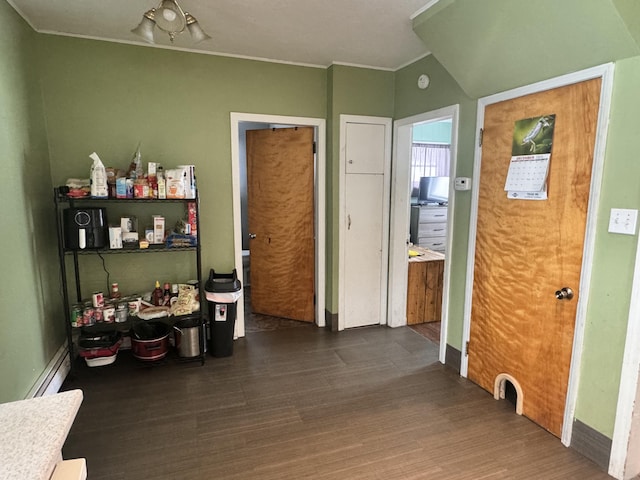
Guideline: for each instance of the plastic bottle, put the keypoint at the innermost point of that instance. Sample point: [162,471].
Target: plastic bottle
[166,295]
[157,295]
[115,290]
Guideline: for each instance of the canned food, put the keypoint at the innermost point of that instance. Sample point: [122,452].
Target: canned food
[76,314]
[122,312]
[98,315]
[109,314]
[98,299]
[89,315]
[134,305]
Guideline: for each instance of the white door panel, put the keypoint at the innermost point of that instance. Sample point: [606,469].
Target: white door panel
[363,246]
[365,148]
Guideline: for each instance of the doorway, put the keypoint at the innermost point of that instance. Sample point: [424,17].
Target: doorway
[240,122]
[581,98]
[401,194]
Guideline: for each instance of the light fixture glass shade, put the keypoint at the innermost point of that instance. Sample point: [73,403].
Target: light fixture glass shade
[170,17]
[145,28]
[197,34]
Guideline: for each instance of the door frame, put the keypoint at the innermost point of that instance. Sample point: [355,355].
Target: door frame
[387,122]
[605,72]
[319,200]
[400,217]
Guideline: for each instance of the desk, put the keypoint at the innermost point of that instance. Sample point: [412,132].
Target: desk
[33,433]
[424,287]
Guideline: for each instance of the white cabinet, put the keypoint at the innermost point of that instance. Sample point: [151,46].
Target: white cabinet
[429,226]
[365,156]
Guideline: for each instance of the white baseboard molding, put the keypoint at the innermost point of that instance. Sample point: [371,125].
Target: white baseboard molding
[51,379]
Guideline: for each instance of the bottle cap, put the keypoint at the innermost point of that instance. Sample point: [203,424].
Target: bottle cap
[157,284]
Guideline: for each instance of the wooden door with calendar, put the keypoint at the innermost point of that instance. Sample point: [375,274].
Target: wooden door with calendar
[527,250]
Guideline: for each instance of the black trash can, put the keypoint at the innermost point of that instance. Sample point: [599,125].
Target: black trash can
[222,291]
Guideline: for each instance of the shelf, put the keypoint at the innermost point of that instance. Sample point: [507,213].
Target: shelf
[151,249]
[65,199]
[170,320]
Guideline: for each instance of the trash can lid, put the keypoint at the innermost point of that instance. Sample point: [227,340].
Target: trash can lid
[223,282]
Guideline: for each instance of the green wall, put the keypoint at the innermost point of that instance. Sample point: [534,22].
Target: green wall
[443,91]
[29,296]
[107,97]
[434,132]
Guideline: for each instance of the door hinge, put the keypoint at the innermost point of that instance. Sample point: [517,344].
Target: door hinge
[314,298]
[480,137]
[314,148]
[466,349]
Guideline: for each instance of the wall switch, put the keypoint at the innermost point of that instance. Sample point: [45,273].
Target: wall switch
[623,220]
[462,183]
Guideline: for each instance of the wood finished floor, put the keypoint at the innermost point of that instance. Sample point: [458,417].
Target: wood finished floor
[370,403]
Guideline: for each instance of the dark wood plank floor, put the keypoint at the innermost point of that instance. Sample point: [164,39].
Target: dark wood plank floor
[371,403]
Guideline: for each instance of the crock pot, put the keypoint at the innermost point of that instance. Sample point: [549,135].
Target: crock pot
[150,340]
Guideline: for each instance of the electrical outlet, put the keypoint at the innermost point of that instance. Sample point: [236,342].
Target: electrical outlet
[623,220]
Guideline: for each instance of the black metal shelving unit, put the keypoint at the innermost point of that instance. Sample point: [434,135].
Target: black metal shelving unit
[62,201]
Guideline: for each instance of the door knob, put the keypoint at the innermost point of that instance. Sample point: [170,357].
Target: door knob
[252,236]
[564,294]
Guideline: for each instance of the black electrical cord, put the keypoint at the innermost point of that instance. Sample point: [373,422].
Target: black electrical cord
[104,267]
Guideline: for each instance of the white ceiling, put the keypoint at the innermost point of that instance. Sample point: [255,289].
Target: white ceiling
[373,33]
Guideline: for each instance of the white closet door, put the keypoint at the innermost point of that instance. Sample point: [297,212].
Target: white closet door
[363,266]
[365,148]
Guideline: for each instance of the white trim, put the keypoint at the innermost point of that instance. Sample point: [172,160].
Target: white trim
[52,377]
[606,73]
[400,212]
[628,384]
[387,122]
[320,195]
[360,65]
[411,62]
[420,11]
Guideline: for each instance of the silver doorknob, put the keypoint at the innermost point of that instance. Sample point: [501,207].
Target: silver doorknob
[564,294]
[252,236]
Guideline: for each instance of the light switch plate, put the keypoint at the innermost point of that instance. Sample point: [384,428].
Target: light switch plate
[623,220]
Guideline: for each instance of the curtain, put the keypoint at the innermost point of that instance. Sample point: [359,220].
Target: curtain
[429,160]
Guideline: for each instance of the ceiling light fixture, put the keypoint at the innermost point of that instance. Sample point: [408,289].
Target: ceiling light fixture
[171,19]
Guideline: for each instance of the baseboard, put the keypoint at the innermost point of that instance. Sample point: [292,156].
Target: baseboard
[51,379]
[452,358]
[331,321]
[591,443]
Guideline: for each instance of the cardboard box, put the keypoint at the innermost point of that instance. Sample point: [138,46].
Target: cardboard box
[115,238]
[158,229]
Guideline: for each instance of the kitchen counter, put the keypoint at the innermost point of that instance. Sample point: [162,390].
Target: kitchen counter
[33,433]
[424,286]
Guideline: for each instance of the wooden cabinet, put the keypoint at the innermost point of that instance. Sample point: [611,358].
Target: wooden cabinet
[424,291]
[429,226]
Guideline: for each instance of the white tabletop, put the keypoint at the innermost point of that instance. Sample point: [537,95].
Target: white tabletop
[32,433]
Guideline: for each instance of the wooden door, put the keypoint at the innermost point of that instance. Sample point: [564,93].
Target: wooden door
[280,184]
[527,250]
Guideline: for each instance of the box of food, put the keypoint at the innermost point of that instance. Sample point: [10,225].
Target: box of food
[158,229]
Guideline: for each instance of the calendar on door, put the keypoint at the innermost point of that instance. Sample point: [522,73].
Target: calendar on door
[530,157]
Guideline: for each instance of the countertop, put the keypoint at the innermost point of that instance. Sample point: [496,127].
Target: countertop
[33,433]
[425,255]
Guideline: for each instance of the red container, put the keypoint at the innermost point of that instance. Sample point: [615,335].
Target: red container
[153,348]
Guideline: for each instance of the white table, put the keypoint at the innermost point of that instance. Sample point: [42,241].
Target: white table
[32,433]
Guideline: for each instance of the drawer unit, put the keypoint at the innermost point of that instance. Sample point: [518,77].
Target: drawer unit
[437,244]
[432,229]
[429,226]
[429,214]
